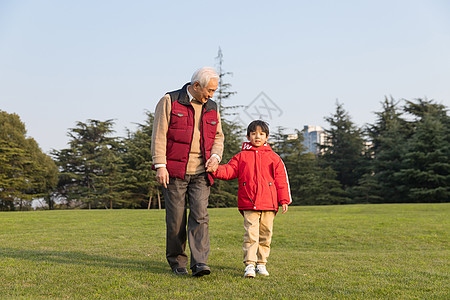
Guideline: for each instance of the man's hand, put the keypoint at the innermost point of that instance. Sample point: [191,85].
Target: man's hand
[212,164]
[285,208]
[162,176]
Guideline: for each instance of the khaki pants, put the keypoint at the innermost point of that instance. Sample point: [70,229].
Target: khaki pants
[258,227]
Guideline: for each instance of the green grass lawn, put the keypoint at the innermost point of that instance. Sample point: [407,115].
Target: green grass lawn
[318,252]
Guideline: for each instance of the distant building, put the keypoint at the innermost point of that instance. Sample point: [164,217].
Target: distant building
[313,137]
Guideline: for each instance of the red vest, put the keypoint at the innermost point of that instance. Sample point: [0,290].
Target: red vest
[181,130]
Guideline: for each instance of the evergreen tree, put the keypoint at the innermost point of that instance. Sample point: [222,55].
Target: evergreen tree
[368,190]
[419,108]
[26,173]
[388,162]
[224,192]
[223,89]
[309,183]
[388,136]
[344,148]
[66,192]
[410,158]
[139,177]
[110,187]
[390,113]
[426,163]
[89,170]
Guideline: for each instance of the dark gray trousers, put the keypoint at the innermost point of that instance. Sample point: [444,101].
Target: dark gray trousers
[197,190]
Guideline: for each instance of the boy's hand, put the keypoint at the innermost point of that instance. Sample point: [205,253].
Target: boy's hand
[285,208]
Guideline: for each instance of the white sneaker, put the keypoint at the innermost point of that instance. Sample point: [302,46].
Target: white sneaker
[249,271]
[261,270]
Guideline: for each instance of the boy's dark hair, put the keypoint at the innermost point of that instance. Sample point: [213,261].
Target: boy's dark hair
[252,127]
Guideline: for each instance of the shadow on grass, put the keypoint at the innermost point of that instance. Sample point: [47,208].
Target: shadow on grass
[81,258]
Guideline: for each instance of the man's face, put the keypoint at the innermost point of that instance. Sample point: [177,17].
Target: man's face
[202,94]
[258,137]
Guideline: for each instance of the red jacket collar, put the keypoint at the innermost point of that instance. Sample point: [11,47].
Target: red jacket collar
[249,147]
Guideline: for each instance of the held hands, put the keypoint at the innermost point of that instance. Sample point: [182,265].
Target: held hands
[162,176]
[212,164]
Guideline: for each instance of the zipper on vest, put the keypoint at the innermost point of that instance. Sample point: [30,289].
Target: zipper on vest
[202,135]
[192,136]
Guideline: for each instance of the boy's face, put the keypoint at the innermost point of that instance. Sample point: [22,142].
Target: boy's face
[258,137]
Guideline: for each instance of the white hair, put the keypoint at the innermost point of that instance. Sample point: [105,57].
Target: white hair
[203,76]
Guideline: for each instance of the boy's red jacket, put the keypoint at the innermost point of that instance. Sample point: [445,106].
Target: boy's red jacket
[263,180]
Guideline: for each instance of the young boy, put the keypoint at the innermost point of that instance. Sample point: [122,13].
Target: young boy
[263,186]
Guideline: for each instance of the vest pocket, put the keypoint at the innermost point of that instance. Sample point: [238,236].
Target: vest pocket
[211,127]
[178,119]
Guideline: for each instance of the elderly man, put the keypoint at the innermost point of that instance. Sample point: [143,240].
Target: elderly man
[187,140]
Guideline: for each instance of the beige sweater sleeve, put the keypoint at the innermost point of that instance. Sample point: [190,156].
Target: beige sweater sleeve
[217,147]
[160,127]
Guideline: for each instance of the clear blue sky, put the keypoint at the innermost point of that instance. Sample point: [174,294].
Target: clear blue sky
[68,61]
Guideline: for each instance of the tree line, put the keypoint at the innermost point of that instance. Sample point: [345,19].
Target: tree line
[403,157]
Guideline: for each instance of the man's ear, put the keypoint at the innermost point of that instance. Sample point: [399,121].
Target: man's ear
[248,137]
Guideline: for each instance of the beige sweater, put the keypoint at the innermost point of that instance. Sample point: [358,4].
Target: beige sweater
[196,163]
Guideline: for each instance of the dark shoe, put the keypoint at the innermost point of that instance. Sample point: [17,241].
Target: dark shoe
[200,270]
[180,271]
